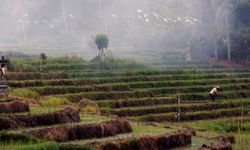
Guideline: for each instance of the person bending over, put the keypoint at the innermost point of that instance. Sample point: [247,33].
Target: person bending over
[214,92]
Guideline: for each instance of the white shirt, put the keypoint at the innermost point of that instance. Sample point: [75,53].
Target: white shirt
[213,91]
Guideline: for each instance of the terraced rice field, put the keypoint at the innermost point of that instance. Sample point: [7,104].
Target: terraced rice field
[142,96]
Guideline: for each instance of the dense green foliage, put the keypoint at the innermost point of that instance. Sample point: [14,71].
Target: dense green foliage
[102,41]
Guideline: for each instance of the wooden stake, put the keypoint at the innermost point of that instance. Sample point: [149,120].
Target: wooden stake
[179,109]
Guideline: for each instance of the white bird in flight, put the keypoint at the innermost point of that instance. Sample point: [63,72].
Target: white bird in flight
[188,21]
[36,22]
[51,26]
[71,16]
[139,10]
[165,19]
[156,15]
[114,16]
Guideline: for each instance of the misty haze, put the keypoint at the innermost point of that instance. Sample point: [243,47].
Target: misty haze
[67,27]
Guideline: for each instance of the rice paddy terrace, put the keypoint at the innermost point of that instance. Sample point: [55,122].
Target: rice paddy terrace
[149,98]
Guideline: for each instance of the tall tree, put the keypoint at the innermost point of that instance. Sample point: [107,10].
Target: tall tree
[102,42]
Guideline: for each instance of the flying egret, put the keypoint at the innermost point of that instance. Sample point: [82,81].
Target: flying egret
[156,15]
[114,16]
[71,16]
[188,21]
[36,22]
[139,11]
[165,19]
[51,26]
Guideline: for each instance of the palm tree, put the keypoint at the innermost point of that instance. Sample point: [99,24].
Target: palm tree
[102,42]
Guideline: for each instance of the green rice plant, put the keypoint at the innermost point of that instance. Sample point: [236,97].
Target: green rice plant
[134,82]
[65,67]
[198,88]
[112,85]
[32,63]
[86,74]
[26,93]
[65,60]
[69,63]
[52,90]
[135,111]
[45,146]
[152,101]
[54,101]
[148,101]
[23,64]
[142,129]
[40,146]
[115,63]
[222,126]
[10,138]
[239,92]
[223,95]
[199,115]
[106,95]
[74,147]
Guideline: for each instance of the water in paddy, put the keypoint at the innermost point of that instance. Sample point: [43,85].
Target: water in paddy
[197,142]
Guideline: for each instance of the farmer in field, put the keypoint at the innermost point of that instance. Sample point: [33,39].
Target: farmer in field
[3,62]
[214,92]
